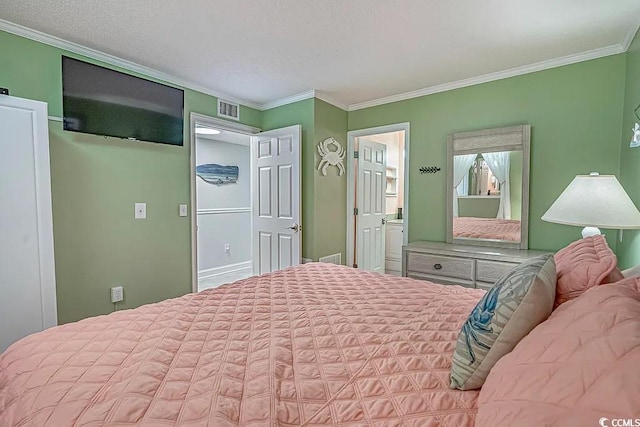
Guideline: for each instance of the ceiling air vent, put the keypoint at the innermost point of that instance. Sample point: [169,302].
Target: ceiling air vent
[228,110]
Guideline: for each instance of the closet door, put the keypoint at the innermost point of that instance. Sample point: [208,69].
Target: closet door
[27,276]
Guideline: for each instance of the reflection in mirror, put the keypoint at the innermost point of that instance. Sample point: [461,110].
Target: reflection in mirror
[488,198]
[488,176]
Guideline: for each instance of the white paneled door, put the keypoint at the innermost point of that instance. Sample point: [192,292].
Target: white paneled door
[371,198]
[27,276]
[275,180]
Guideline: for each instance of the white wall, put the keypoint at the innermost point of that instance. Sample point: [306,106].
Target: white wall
[400,201]
[393,158]
[224,215]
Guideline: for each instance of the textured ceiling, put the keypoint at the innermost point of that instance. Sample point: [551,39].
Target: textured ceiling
[350,50]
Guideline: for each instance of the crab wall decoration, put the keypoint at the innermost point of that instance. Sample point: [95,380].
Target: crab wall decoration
[635,141]
[331,157]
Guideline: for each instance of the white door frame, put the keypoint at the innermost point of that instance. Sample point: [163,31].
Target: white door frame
[196,118]
[351,202]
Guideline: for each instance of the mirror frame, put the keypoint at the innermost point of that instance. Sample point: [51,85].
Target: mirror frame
[511,138]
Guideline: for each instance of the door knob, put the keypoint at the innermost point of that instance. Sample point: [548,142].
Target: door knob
[295,228]
[384,221]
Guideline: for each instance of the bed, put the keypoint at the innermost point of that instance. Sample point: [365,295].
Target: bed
[486,228]
[316,344]
[320,344]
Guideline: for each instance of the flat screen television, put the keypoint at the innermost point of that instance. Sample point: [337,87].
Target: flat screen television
[101,101]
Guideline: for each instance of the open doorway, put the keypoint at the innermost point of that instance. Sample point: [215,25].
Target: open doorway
[223,206]
[221,200]
[245,194]
[388,239]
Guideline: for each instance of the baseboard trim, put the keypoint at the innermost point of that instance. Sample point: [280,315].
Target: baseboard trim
[218,271]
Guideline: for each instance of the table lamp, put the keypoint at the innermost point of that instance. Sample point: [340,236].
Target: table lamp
[593,201]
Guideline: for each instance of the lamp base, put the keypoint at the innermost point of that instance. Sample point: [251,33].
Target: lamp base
[590,231]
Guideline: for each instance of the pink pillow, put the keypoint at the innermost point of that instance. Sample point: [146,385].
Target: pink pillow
[615,276]
[582,265]
[578,366]
[629,282]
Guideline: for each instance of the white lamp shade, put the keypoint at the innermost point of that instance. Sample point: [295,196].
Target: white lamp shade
[595,201]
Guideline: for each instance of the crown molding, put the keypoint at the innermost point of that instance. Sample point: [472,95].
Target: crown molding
[78,49]
[628,38]
[88,52]
[106,58]
[499,75]
[301,97]
[326,98]
[288,100]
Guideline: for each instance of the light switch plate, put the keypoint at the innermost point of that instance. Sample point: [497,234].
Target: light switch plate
[117,294]
[141,211]
[183,210]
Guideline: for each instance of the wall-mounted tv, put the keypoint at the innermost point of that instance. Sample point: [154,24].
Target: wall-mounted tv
[101,101]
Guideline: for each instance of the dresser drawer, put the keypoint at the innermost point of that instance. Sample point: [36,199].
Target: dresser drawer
[440,265]
[490,271]
[441,280]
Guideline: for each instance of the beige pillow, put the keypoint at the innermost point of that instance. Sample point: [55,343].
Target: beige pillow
[516,304]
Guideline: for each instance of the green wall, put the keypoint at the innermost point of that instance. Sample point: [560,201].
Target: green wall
[515,183]
[331,190]
[576,115]
[629,255]
[95,183]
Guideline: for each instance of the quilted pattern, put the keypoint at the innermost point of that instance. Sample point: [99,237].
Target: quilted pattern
[487,228]
[317,344]
[517,303]
[582,364]
[583,264]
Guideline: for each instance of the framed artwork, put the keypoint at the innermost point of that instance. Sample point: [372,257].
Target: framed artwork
[217,174]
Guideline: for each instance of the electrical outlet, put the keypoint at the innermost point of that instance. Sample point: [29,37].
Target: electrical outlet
[117,294]
[226,248]
[140,211]
[183,210]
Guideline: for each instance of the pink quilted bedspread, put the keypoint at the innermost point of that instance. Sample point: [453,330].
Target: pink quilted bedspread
[487,228]
[317,344]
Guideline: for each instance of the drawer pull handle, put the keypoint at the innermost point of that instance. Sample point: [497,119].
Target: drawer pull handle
[437,266]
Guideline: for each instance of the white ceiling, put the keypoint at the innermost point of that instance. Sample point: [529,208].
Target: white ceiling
[350,51]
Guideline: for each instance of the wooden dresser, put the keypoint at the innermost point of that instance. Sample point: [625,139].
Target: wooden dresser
[452,264]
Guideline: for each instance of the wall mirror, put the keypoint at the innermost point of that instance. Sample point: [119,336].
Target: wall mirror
[488,187]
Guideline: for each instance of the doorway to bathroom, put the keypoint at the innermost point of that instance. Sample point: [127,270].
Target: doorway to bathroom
[377,184]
